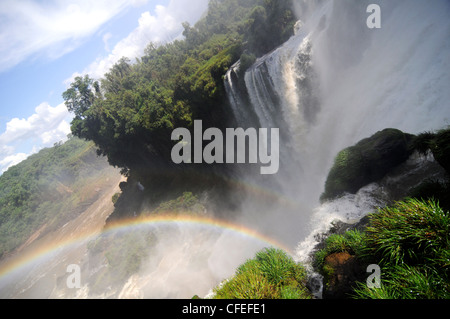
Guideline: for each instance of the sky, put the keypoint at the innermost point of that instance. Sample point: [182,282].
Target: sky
[45,44]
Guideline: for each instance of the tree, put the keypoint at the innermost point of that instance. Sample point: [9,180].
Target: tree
[130,113]
[80,96]
[114,79]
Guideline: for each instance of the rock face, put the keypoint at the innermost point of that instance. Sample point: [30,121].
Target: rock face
[341,272]
[385,158]
[439,144]
[366,162]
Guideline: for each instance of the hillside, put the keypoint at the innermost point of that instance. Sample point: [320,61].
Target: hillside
[358,184]
[49,189]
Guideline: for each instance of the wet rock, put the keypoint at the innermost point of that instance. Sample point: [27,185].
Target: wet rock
[341,272]
[366,162]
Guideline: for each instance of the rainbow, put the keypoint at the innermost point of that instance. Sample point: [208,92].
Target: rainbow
[132,224]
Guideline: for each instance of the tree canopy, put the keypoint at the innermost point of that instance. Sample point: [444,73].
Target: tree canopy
[131,112]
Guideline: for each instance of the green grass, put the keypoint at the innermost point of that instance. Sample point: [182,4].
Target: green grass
[352,242]
[410,241]
[272,274]
[407,282]
[411,231]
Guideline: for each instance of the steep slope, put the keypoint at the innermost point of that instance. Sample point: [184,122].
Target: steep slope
[49,189]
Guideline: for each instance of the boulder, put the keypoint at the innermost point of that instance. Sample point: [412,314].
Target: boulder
[366,162]
[341,272]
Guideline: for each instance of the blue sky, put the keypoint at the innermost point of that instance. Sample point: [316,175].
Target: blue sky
[45,44]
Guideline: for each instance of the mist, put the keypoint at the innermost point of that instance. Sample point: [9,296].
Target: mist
[358,81]
[332,84]
[190,260]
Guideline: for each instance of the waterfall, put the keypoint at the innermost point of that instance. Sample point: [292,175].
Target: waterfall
[333,83]
[336,82]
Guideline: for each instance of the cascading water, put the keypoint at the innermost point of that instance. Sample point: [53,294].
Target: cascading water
[335,82]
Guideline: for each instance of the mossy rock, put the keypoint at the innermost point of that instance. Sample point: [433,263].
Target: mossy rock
[441,149]
[438,143]
[366,162]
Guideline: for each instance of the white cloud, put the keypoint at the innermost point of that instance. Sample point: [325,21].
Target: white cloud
[11,160]
[45,127]
[163,26]
[106,38]
[55,27]
[138,3]
[44,119]
[51,28]
[57,134]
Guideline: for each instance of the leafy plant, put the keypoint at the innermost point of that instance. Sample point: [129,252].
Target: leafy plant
[131,112]
[272,274]
[410,241]
[352,242]
[411,231]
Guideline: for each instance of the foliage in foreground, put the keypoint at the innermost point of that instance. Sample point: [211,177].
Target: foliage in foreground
[410,241]
[272,274]
[352,242]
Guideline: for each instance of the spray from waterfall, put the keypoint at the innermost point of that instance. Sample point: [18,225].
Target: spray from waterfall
[335,82]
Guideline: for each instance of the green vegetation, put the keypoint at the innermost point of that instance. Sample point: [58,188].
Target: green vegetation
[367,161]
[352,242]
[272,274]
[411,231]
[49,188]
[131,112]
[188,203]
[372,158]
[438,143]
[434,189]
[410,241]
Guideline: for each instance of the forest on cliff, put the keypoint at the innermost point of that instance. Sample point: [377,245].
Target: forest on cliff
[127,118]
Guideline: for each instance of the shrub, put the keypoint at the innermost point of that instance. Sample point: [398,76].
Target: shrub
[412,231]
[438,143]
[247,60]
[115,198]
[411,242]
[272,274]
[352,242]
